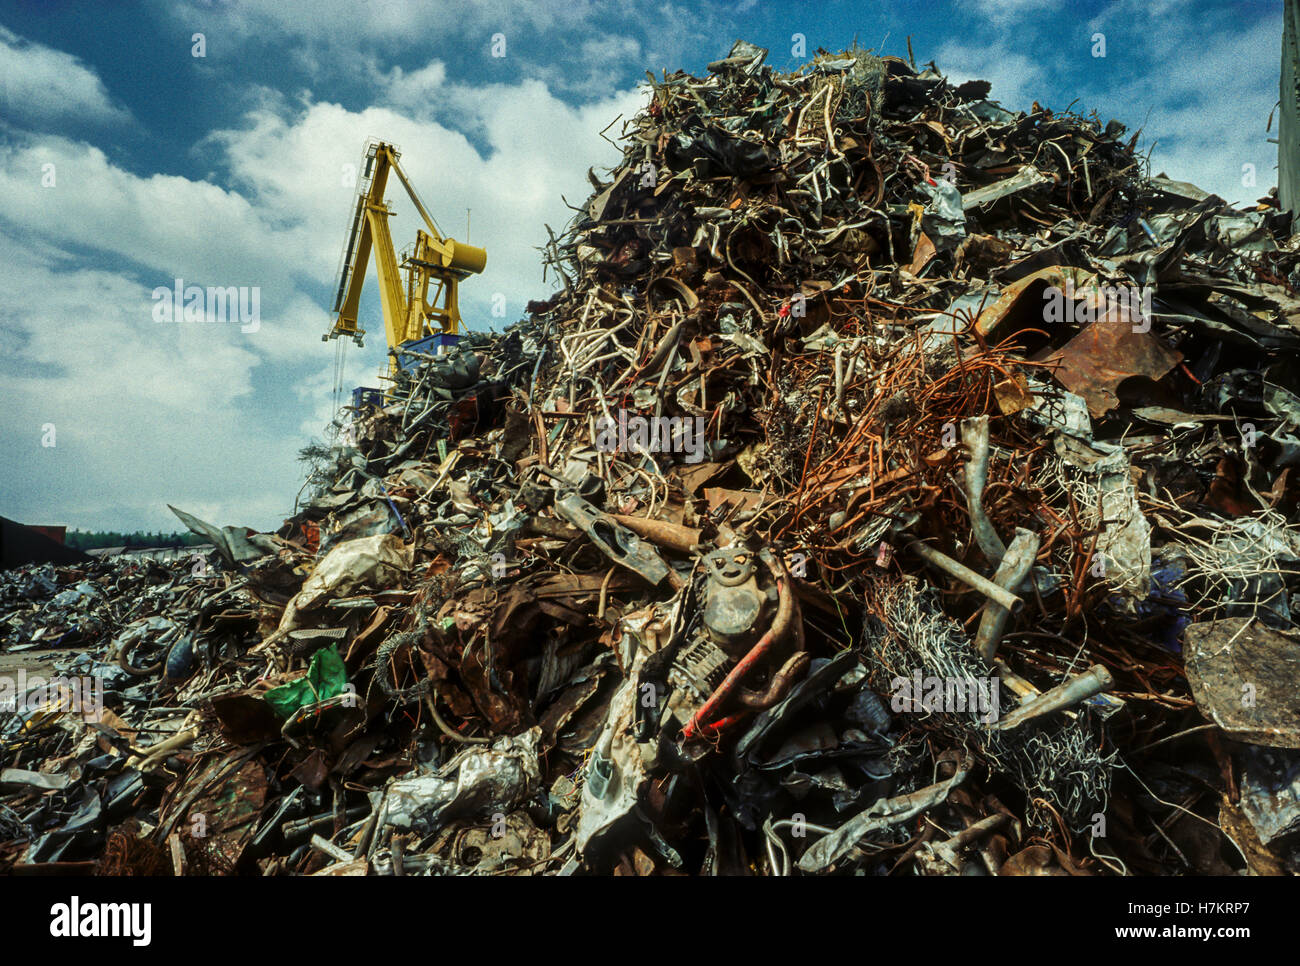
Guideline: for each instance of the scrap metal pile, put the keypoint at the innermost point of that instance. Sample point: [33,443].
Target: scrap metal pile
[897,484]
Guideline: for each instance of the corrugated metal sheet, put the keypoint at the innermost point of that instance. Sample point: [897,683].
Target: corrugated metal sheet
[1288,132]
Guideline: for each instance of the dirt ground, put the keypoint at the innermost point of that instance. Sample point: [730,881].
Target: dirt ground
[36,662]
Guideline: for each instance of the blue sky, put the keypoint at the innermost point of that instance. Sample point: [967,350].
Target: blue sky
[234,169]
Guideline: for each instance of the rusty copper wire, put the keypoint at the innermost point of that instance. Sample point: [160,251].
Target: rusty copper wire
[125,853]
[952,396]
[203,858]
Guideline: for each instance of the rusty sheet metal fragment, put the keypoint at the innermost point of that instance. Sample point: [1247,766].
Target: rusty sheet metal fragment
[1243,677]
[1103,355]
[1012,395]
[244,718]
[739,499]
[227,812]
[922,254]
[1022,303]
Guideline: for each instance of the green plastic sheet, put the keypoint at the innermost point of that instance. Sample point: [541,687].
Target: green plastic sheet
[325,678]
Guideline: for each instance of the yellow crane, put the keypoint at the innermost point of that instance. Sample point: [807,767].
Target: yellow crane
[416,319]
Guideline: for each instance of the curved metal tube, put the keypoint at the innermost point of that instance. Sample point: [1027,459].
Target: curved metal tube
[780,624]
[779,685]
[975,434]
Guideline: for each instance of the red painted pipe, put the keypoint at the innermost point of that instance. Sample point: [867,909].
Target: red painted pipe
[780,624]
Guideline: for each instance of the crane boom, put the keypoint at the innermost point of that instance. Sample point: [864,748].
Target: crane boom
[411,312]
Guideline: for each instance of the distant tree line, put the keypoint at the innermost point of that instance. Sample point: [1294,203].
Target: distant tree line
[95,539]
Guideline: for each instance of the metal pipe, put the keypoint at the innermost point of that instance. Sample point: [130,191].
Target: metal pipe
[1078,688]
[972,832]
[326,847]
[1016,564]
[779,685]
[300,828]
[1021,687]
[967,576]
[670,536]
[367,831]
[975,434]
[949,851]
[156,753]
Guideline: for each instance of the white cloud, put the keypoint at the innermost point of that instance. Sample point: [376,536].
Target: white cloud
[1202,115]
[574,46]
[344,24]
[534,148]
[413,88]
[204,416]
[1204,100]
[169,225]
[1008,11]
[1129,14]
[40,86]
[1015,78]
[588,74]
[143,414]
